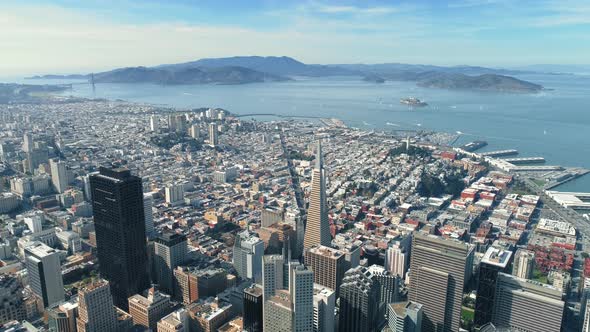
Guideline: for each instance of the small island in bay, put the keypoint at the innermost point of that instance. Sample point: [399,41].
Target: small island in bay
[485,82]
[411,101]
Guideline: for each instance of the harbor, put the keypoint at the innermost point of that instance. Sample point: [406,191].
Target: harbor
[545,177]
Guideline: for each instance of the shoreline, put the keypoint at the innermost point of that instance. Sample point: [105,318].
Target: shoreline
[394,128]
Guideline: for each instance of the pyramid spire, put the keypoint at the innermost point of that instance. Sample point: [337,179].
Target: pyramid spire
[319,162]
[317,229]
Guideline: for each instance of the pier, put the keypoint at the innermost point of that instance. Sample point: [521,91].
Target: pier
[536,168]
[500,153]
[526,160]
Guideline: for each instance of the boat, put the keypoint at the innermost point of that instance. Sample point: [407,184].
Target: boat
[411,101]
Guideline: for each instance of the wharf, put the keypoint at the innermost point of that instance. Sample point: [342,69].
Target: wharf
[525,168]
[500,153]
[525,160]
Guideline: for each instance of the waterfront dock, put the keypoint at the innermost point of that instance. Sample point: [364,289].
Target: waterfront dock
[526,168]
[525,160]
[500,153]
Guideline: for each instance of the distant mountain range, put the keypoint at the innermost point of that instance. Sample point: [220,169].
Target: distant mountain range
[251,69]
[180,75]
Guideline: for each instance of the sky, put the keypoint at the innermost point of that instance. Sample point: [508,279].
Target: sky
[71,36]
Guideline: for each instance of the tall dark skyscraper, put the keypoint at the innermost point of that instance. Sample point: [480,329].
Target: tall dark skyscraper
[493,262]
[359,301]
[117,200]
[253,308]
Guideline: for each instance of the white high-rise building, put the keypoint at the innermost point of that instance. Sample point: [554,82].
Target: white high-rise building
[148,202]
[195,132]
[44,270]
[174,193]
[324,304]
[154,123]
[34,222]
[213,134]
[272,274]
[524,261]
[301,290]
[396,260]
[28,145]
[59,175]
[247,258]
[86,184]
[292,310]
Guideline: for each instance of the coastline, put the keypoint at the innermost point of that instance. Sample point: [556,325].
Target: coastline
[505,121]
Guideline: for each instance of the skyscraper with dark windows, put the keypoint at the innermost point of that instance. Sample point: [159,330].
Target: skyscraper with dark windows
[253,304]
[359,301]
[494,261]
[117,201]
[170,250]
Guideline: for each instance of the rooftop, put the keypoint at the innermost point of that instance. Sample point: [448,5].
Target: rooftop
[555,226]
[281,298]
[497,257]
[40,249]
[327,252]
[254,290]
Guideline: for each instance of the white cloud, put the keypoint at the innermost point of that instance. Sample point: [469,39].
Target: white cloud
[562,13]
[475,3]
[53,39]
[353,10]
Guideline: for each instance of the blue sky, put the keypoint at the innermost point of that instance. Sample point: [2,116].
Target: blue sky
[40,36]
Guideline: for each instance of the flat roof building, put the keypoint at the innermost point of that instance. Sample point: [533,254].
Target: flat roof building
[526,305]
[439,270]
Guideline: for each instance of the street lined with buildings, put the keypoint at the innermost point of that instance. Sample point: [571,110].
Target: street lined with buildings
[119,216]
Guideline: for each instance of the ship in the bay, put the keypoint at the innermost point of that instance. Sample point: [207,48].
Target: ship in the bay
[411,101]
